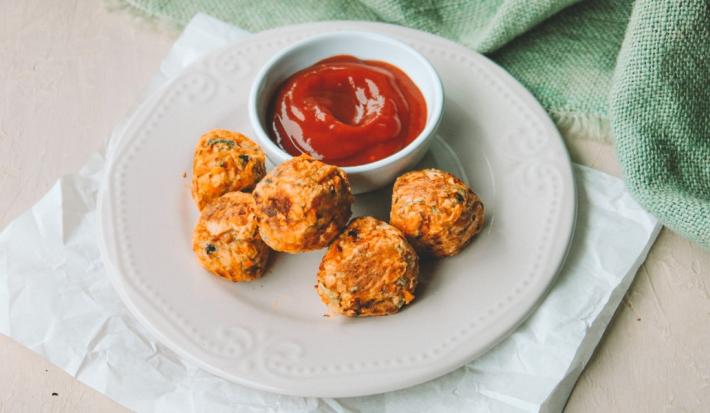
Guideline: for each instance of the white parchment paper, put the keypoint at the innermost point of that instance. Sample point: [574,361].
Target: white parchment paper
[57,300]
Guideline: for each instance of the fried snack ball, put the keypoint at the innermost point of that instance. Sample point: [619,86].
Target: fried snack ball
[436,211]
[369,270]
[226,239]
[302,204]
[225,161]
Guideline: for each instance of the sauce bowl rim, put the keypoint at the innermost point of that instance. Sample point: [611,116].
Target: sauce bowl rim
[435,108]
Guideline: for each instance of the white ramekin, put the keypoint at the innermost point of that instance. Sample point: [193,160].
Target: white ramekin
[367,46]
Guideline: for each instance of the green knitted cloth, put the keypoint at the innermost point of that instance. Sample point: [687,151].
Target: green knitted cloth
[642,67]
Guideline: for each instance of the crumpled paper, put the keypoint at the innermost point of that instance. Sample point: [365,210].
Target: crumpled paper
[58,302]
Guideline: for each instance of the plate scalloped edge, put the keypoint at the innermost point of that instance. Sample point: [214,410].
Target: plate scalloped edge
[281,360]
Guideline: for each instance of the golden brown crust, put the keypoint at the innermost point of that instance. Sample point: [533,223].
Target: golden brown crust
[225,161]
[302,204]
[369,270]
[437,212]
[226,238]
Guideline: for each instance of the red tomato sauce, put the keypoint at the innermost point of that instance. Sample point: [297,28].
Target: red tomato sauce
[346,111]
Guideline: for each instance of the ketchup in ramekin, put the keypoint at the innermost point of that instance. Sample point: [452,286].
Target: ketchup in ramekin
[346,111]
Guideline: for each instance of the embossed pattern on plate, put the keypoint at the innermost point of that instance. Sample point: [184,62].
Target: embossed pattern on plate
[270,334]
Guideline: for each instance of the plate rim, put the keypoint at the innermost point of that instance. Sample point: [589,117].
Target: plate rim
[115,275]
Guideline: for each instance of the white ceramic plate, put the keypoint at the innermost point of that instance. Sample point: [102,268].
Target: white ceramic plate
[271,334]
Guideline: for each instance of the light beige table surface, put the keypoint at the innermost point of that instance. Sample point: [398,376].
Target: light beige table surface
[71,69]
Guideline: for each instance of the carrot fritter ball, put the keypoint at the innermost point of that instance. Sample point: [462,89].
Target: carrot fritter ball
[225,161]
[302,204]
[369,270]
[436,211]
[226,239]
